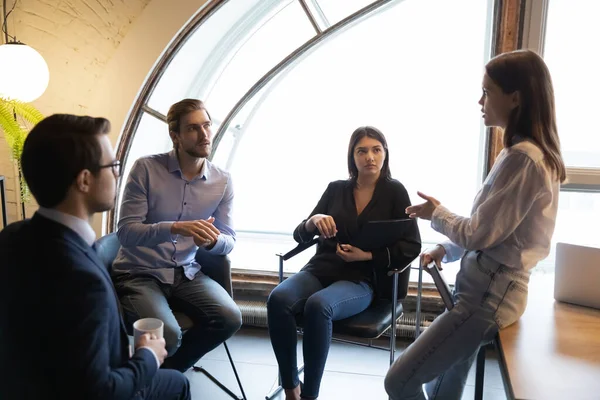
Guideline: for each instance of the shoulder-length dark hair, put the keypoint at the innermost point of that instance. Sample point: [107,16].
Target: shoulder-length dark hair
[525,72]
[357,135]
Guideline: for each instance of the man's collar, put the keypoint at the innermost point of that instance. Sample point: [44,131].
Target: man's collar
[173,165]
[173,162]
[78,225]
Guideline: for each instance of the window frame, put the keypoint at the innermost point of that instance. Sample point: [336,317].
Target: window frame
[534,34]
[507,34]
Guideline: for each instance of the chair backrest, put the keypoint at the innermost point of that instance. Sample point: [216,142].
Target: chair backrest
[384,284]
[216,267]
[107,248]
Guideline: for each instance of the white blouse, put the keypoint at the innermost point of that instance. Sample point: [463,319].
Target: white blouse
[514,213]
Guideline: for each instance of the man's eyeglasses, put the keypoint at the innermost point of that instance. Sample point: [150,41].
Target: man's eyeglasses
[115,165]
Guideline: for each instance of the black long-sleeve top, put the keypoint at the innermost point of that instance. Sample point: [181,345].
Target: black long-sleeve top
[389,201]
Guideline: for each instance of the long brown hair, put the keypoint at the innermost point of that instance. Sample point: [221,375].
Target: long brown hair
[526,72]
[372,132]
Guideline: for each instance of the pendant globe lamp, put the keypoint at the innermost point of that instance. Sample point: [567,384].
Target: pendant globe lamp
[24,73]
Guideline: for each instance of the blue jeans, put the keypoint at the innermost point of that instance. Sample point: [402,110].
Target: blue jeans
[488,296]
[215,315]
[304,294]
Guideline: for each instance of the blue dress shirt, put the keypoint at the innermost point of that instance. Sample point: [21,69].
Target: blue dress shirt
[156,195]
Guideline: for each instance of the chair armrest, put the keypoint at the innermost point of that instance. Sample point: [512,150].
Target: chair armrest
[393,271]
[298,249]
[216,267]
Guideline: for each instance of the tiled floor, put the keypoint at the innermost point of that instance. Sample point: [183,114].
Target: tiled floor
[352,372]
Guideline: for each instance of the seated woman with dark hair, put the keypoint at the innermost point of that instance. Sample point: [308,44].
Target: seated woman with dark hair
[338,282]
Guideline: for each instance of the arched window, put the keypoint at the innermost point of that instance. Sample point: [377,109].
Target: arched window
[287,82]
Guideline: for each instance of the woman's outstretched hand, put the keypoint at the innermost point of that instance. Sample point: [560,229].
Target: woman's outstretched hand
[424,210]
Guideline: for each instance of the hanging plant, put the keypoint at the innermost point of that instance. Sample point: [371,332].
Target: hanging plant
[16,119]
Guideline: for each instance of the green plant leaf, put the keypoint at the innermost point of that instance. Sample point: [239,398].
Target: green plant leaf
[27,112]
[15,134]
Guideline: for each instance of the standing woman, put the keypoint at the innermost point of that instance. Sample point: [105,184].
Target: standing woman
[339,280]
[507,234]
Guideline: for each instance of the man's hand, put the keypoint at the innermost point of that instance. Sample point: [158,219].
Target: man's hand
[157,345]
[350,253]
[203,231]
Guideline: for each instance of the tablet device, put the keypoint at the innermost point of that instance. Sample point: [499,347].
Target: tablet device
[441,285]
[379,234]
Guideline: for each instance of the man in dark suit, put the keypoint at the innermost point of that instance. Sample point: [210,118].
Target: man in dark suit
[61,332]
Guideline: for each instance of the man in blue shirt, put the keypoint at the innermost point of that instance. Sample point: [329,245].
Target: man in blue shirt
[174,203]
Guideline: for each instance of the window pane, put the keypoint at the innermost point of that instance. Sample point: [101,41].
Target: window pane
[263,49]
[577,223]
[384,72]
[258,251]
[578,219]
[225,151]
[225,147]
[336,10]
[151,137]
[181,77]
[572,33]
[230,51]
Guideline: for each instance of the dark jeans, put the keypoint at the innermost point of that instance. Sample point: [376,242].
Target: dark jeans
[304,294]
[215,315]
[166,385]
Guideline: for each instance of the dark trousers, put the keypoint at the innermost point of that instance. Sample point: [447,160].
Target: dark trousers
[166,385]
[215,315]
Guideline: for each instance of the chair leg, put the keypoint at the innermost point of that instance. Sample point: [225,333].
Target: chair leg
[218,383]
[237,378]
[394,318]
[479,373]
[276,389]
[419,295]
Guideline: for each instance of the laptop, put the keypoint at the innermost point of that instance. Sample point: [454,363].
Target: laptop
[577,275]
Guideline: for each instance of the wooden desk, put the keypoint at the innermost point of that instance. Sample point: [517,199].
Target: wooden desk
[553,352]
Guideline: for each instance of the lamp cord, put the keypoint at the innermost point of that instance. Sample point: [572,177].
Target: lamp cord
[5,15]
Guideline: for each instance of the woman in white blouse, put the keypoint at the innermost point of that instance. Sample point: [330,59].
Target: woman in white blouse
[506,235]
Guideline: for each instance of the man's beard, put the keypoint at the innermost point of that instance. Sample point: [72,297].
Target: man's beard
[198,154]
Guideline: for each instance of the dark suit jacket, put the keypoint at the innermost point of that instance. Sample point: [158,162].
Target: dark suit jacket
[61,333]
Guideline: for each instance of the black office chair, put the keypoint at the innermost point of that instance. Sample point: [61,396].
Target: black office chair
[383,313]
[217,268]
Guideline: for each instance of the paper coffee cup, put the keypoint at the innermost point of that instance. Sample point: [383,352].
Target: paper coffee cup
[147,325]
